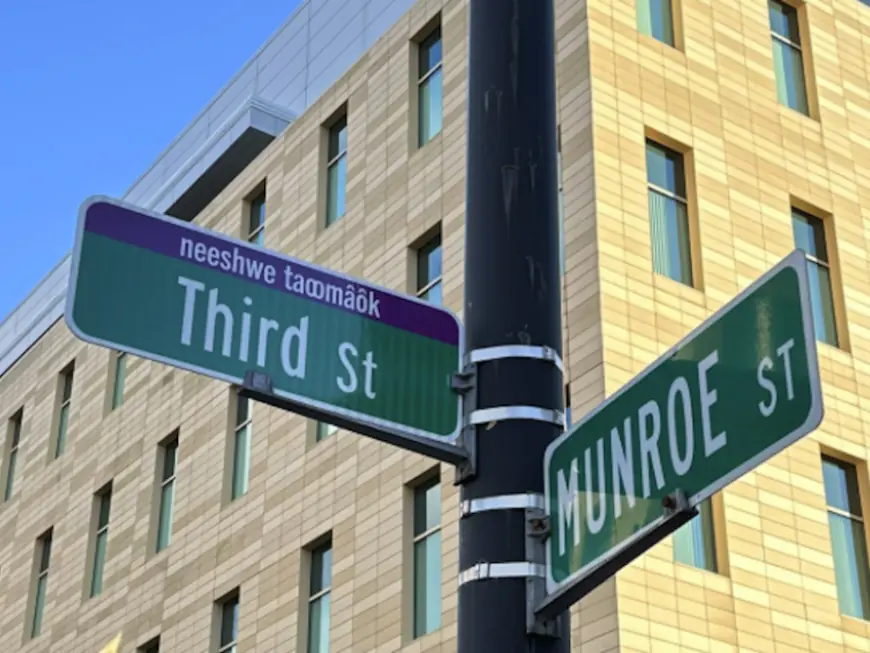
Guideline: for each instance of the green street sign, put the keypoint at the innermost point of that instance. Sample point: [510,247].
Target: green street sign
[334,347]
[734,392]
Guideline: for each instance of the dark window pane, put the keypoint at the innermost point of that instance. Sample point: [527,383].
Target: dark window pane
[243,410]
[16,429]
[318,625]
[427,584]
[67,386]
[822,303]
[430,52]
[791,88]
[321,569]
[338,138]
[427,506]
[809,234]
[784,21]
[105,508]
[429,262]
[841,486]
[694,543]
[671,243]
[170,455]
[655,18]
[45,555]
[664,168]
[849,547]
[258,213]
[229,621]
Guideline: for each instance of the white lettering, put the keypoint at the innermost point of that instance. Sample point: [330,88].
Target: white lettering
[343,350]
[269,274]
[569,506]
[191,287]
[215,309]
[245,341]
[187,247]
[263,341]
[680,387]
[300,334]
[593,522]
[623,472]
[783,351]
[649,445]
[712,444]
[767,384]
[370,366]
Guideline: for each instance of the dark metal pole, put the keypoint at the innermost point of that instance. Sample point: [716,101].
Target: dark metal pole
[512,297]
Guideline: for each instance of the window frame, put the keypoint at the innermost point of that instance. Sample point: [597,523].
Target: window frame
[119,378]
[246,427]
[171,444]
[320,548]
[857,469]
[706,509]
[434,240]
[14,428]
[422,487]
[232,601]
[64,408]
[102,531]
[802,51]
[42,567]
[341,117]
[675,24]
[825,222]
[254,234]
[422,80]
[670,149]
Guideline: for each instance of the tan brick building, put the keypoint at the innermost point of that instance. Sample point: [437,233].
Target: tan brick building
[699,146]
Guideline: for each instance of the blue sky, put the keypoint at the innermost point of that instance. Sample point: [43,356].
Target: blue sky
[91,92]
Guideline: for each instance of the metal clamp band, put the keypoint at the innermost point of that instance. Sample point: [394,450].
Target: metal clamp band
[486,415]
[514,351]
[504,502]
[484,570]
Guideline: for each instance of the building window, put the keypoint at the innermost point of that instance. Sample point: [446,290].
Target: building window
[695,542]
[257,220]
[13,440]
[320,587]
[427,557]
[809,236]
[848,537]
[66,386]
[429,87]
[101,540]
[169,455]
[788,61]
[43,559]
[656,18]
[119,376]
[150,647]
[229,624]
[336,170]
[429,271]
[324,430]
[241,448]
[668,212]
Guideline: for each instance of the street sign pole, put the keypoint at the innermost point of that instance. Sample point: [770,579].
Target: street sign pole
[512,316]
